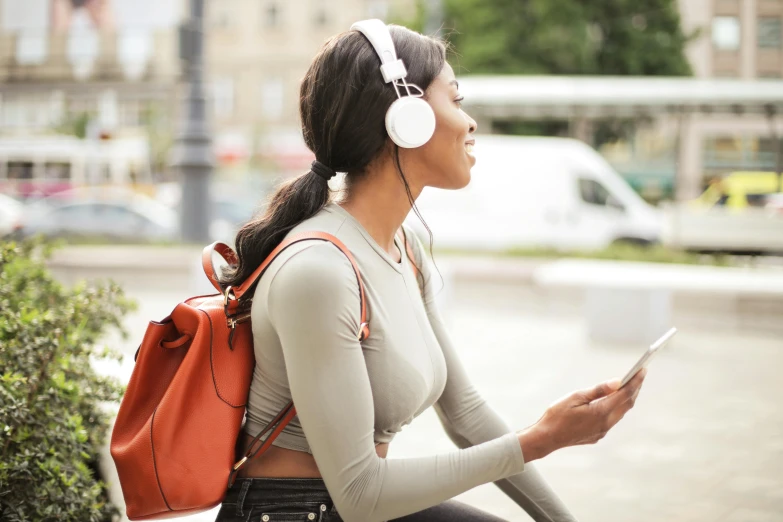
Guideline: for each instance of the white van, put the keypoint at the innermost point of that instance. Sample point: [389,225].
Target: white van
[535,192]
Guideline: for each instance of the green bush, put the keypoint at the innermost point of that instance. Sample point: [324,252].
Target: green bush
[51,414]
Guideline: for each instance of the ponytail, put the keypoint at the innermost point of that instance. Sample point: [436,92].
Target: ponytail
[293,202]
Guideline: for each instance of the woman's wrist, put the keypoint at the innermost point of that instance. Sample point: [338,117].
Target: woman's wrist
[534,442]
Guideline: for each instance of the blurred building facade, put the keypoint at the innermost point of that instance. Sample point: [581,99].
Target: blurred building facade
[111,69]
[59,58]
[81,80]
[116,63]
[257,54]
[739,39]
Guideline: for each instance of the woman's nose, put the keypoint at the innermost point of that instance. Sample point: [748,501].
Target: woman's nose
[472,123]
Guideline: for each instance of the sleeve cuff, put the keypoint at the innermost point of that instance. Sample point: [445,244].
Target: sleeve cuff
[516,458]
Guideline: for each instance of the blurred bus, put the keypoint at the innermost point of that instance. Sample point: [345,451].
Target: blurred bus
[34,167]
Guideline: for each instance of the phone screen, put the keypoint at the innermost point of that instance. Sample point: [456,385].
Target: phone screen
[648,355]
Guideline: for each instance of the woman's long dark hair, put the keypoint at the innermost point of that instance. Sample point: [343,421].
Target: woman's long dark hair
[342,103]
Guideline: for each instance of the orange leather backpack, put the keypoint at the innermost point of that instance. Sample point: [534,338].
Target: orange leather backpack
[174,439]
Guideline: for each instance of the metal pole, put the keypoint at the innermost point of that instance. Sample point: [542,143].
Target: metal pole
[192,151]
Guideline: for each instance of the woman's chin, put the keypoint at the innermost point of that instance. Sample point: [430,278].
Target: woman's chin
[454,182]
[462,181]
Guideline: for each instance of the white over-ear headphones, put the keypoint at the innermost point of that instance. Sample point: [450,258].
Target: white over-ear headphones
[410,121]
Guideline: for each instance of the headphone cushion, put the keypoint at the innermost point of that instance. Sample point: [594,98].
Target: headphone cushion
[410,122]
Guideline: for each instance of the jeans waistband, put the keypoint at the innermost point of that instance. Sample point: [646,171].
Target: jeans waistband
[271,490]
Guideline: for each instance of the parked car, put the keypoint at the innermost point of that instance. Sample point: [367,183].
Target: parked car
[135,218]
[530,192]
[10,215]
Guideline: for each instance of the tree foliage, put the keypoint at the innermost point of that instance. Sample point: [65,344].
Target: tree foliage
[577,37]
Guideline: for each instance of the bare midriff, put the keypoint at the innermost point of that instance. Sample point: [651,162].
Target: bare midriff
[286,463]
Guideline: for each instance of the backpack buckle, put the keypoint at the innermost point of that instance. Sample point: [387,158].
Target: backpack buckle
[228,295]
[234,320]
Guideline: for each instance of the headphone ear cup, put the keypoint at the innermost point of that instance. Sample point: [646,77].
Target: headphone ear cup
[410,122]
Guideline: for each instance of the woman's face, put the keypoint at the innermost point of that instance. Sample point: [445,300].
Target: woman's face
[444,161]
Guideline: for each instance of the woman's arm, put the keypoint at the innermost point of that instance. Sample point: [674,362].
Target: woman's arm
[313,305]
[469,420]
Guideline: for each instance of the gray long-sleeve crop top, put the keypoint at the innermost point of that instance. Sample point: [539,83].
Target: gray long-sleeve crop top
[352,395]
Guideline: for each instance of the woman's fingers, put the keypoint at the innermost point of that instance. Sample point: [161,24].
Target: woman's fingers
[620,403]
[602,390]
[585,416]
[624,398]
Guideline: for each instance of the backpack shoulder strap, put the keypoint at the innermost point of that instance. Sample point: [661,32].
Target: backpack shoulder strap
[234,294]
[282,419]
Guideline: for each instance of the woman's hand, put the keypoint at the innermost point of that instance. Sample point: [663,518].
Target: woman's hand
[584,417]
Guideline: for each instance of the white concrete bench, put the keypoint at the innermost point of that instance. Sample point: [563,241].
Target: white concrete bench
[632,302]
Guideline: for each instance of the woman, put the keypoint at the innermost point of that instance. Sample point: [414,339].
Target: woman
[353,396]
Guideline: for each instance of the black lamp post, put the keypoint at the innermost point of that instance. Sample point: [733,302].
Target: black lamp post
[192,153]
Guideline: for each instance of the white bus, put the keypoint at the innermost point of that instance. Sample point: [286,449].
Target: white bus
[40,166]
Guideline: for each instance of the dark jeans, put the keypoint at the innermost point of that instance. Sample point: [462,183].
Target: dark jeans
[307,500]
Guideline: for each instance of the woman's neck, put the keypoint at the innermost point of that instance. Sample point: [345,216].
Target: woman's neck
[380,203]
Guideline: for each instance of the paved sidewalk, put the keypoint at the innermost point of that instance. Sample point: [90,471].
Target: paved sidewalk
[704,443]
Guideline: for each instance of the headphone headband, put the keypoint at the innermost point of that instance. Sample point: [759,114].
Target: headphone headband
[410,121]
[378,34]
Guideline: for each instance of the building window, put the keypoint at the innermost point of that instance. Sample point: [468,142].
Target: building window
[272,15]
[769,31]
[223,97]
[130,113]
[31,47]
[272,91]
[135,47]
[726,33]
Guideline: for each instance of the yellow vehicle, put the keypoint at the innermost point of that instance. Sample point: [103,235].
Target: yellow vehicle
[740,190]
[739,213]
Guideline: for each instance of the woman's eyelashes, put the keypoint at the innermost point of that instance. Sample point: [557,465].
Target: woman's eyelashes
[459,101]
